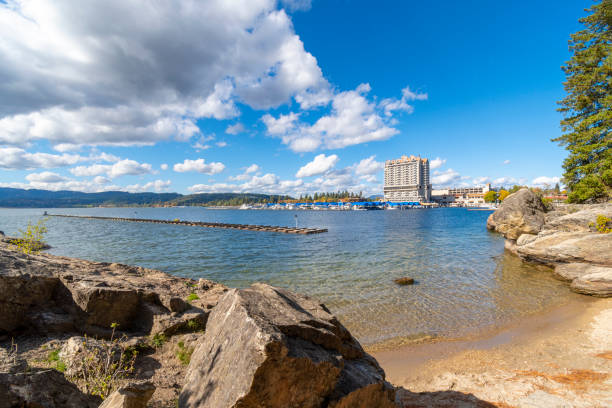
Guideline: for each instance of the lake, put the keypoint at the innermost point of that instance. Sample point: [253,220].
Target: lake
[464,281]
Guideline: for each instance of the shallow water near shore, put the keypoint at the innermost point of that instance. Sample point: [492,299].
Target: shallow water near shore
[465,283]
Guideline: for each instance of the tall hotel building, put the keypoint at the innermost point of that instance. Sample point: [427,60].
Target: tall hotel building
[407,179]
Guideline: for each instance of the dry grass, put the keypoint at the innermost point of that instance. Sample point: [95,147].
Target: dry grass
[577,380]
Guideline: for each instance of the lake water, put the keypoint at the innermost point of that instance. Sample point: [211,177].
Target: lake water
[464,281]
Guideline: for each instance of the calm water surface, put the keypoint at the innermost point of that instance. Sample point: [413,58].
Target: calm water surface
[465,282]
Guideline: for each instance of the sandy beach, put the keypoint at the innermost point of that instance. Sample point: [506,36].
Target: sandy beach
[558,358]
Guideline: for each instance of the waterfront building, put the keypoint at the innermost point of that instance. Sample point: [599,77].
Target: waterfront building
[461,196]
[407,179]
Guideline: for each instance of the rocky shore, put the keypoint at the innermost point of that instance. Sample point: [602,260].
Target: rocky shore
[64,322]
[75,333]
[565,238]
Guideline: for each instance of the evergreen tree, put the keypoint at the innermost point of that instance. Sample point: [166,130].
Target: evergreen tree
[587,108]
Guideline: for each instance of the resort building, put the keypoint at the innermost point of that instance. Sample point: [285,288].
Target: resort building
[407,180]
[460,196]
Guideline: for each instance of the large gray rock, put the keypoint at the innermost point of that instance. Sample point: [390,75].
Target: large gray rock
[41,389]
[133,395]
[597,283]
[43,293]
[579,221]
[520,213]
[569,247]
[20,295]
[268,347]
[570,271]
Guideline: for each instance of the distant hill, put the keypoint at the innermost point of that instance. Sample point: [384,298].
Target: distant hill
[19,198]
[226,199]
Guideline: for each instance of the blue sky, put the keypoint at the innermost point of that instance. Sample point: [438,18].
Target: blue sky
[279,97]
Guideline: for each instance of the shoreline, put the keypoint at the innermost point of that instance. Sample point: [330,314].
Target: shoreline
[555,357]
[498,334]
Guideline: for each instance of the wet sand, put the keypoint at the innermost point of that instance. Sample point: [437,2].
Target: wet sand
[558,358]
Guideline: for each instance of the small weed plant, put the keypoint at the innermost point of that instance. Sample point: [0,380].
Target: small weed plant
[13,353]
[548,203]
[194,326]
[184,353]
[105,364]
[192,297]
[30,240]
[158,340]
[55,361]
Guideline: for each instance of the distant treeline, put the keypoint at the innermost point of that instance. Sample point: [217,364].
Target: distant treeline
[19,198]
[333,196]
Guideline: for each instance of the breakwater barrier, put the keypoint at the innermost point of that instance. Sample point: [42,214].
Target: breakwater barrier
[248,227]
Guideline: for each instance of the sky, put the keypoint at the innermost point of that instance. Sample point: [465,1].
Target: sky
[282,97]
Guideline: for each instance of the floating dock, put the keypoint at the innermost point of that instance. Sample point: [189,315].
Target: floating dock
[267,228]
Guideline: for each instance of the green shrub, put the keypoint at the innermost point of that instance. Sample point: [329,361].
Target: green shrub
[588,189]
[192,297]
[606,177]
[184,353]
[31,241]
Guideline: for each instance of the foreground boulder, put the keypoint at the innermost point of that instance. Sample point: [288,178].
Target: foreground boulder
[520,213]
[268,347]
[41,389]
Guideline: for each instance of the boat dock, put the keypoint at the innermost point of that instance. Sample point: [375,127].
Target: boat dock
[267,228]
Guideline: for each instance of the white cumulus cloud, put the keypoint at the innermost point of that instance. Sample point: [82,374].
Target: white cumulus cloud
[504,180]
[543,181]
[369,166]
[118,169]
[158,186]
[14,158]
[446,177]
[136,72]
[437,163]
[235,129]
[200,166]
[253,168]
[353,120]
[45,177]
[319,165]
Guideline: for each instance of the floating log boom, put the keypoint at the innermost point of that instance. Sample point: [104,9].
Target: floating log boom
[268,228]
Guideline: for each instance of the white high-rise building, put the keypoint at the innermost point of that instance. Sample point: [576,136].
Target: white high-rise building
[407,179]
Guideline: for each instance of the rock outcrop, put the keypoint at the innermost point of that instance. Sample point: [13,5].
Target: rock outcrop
[566,240]
[132,395]
[36,388]
[520,213]
[49,294]
[265,346]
